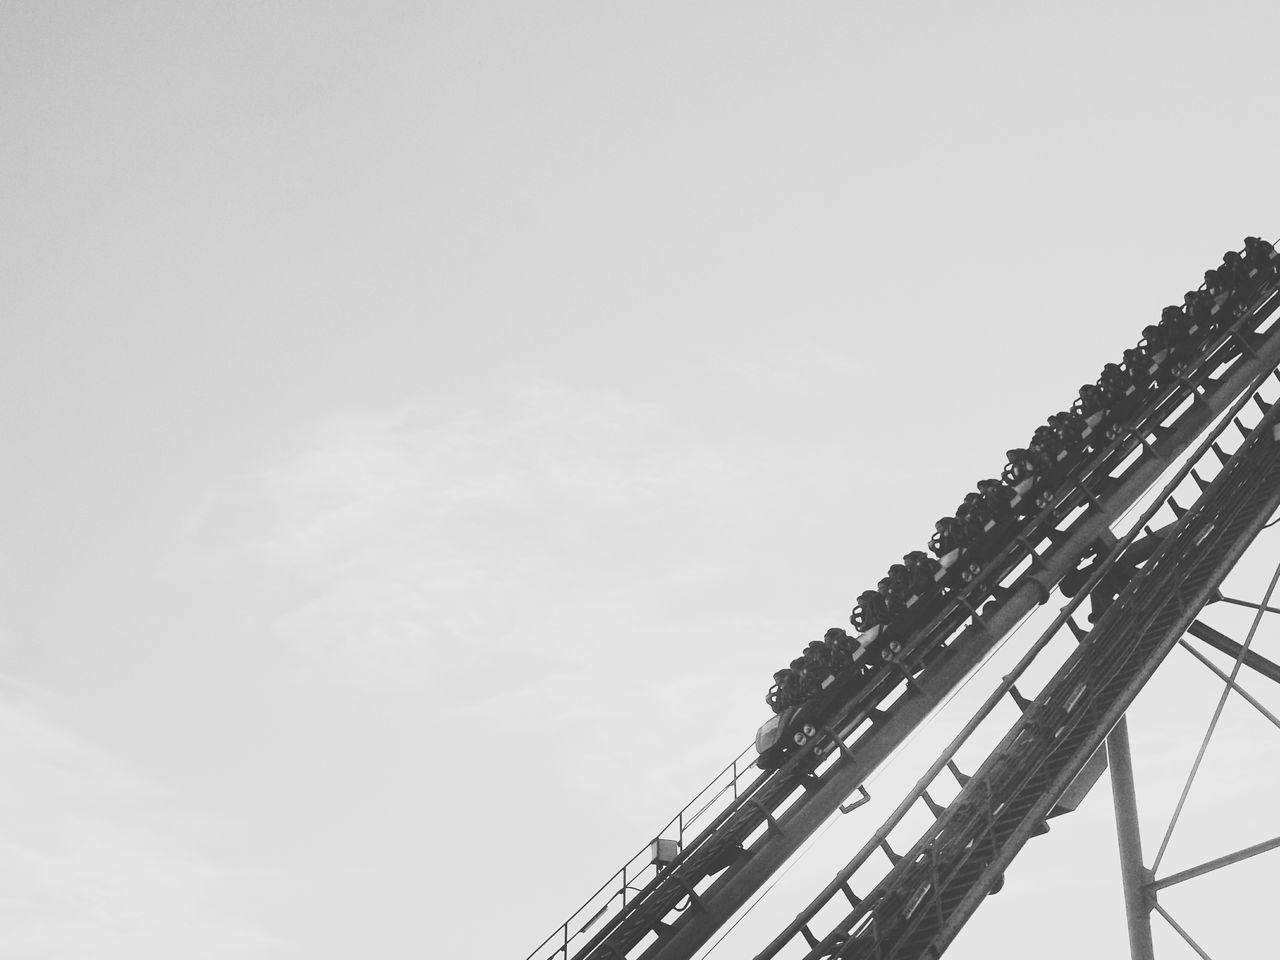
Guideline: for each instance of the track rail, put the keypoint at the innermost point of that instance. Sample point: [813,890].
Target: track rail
[1208,457]
[933,889]
[746,823]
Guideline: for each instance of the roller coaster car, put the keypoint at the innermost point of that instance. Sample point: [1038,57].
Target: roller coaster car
[1139,368]
[970,521]
[780,734]
[780,693]
[896,591]
[944,542]
[1261,256]
[1183,333]
[818,661]
[893,596]
[772,741]
[950,547]
[1174,317]
[983,520]
[1117,386]
[1141,364]
[885,613]
[975,517]
[1096,417]
[1216,281]
[998,499]
[1184,336]
[1070,429]
[842,650]
[817,667]
[1234,274]
[1198,305]
[1047,441]
[870,611]
[964,542]
[797,718]
[1091,404]
[906,584]
[1168,349]
[1157,355]
[924,571]
[1028,473]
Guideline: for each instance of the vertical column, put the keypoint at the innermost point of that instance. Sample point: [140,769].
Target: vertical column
[1134,876]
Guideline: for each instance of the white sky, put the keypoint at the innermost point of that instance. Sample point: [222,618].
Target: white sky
[427,426]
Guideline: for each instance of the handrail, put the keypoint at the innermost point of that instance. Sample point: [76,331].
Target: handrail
[620,882]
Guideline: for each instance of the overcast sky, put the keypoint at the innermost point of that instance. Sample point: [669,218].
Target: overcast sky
[427,426]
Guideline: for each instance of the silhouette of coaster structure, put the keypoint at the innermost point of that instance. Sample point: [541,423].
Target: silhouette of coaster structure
[1185,405]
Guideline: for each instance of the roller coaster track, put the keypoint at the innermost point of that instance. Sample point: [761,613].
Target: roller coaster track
[925,898]
[746,823]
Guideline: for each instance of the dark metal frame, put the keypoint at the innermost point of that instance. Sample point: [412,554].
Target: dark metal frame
[1140,883]
[768,799]
[909,913]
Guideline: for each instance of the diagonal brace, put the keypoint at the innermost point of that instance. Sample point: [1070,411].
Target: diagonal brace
[1213,723]
[1216,863]
[1221,642]
[1249,698]
[1182,933]
[1252,606]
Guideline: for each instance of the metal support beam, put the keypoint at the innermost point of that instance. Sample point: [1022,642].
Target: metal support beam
[1210,865]
[1138,899]
[1248,697]
[1252,606]
[1217,715]
[1221,642]
[1182,933]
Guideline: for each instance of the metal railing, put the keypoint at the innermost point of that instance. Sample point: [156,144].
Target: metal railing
[736,780]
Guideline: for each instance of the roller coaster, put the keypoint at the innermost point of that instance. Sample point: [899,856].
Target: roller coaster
[1185,404]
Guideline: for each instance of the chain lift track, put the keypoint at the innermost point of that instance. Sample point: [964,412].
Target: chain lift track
[1127,551]
[934,888]
[746,824]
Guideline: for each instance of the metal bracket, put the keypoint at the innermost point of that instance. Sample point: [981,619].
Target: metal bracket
[688,889]
[889,852]
[1037,562]
[850,807]
[1079,632]
[935,808]
[1022,702]
[1245,345]
[773,823]
[840,744]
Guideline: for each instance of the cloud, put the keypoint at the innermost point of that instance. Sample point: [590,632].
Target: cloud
[420,549]
[566,556]
[93,866]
